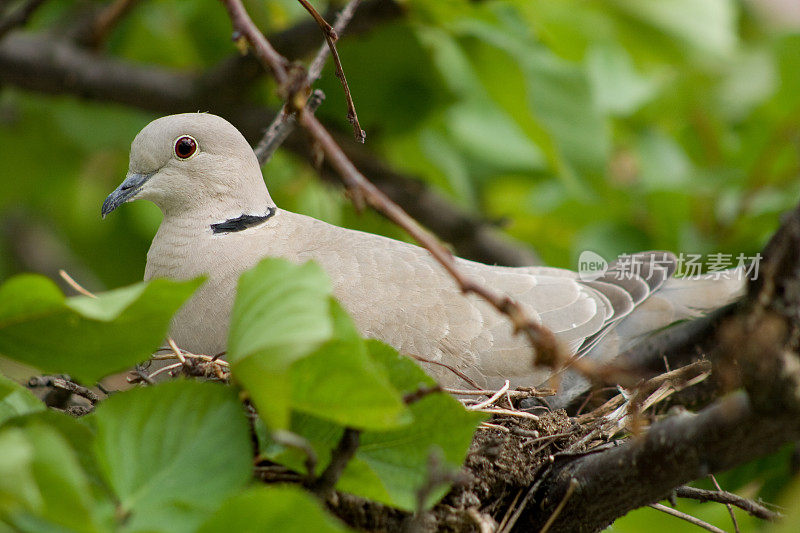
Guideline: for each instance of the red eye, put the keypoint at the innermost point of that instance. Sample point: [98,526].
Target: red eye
[185,147]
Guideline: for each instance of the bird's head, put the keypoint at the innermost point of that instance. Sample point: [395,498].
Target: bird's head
[189,162]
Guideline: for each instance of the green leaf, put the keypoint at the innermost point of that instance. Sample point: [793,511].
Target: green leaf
[16,400]
[340,382]
[78,432]
[708,26]
[400,458]
[286,509]
[391,466]
[281,314]
[87,338]
[173,452]
[616,86]
[560,114]
[42,485]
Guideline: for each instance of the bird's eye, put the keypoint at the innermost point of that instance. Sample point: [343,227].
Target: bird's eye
[185,147]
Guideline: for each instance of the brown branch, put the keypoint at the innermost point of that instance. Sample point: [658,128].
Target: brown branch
[548,351]
[756,350]
[106,20]
[343,18]
[326,28]
[727,505]
[63,384]
[284,122]
[420,393]
[689,518]
[728,498]
[269,58]
[19,17]
[675,451]
[340,457]
[331,37]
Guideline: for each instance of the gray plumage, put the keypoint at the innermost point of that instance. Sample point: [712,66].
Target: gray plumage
[394,291]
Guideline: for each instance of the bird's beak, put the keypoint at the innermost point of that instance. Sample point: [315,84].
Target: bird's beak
[125,192]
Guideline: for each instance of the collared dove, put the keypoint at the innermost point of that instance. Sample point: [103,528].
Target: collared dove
[219,220]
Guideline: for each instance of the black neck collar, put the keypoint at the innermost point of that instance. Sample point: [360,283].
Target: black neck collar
[241,223]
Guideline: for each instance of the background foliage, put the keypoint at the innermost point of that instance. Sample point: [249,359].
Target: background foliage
[614,126]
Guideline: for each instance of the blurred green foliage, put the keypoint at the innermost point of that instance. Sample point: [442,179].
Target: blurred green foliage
[614,126]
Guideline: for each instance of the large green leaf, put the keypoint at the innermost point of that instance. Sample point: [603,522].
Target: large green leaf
[708,27]
[286,509]
[281,314]
[391,466]
[172,453]
[15,400]
[340,382]
[400,458]
[87,338]
[42,485]
[559,113]
[292,346]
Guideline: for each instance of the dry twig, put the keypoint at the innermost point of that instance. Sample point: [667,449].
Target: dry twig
[728,505]
[721,496]
[573,484]
[683,516]
[63,383]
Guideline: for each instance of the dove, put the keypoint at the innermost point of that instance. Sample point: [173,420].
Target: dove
[219,220]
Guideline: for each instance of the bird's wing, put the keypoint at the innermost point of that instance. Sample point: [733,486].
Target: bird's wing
[396,292]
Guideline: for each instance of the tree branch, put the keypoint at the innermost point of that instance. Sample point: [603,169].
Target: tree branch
[755,349]
[340,457]
[644,470]
[728,498]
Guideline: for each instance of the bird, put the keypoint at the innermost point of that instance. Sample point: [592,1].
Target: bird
[220,220]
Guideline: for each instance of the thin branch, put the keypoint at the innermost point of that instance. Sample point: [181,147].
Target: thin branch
[341,22]
[64,384]
[75,285]
[284,122]
[549,351]
[730,508]
[107,20]
[331,37]
[683,516]
[420,393]
[326,28]
[340,457]
[282,126]
[520,392]
[567,495]
[468,380]
[486,403]
[19,17]
[728,498]
[269,58]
